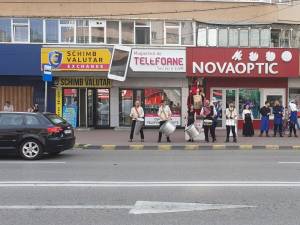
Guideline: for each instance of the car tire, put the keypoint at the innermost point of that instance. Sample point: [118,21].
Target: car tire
[31,149]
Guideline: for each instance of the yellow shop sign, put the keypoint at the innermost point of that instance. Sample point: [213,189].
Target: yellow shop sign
[85,82]
[69,59]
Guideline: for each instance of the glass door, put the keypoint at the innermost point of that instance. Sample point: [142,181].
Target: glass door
[102,108]
[90,107]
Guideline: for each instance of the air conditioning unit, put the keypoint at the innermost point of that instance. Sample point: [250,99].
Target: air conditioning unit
[97,23]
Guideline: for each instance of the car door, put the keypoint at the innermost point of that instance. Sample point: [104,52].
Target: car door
[11,129]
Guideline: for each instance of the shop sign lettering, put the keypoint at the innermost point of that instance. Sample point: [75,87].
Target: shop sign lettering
[256,62]
[158,60]
[92,82]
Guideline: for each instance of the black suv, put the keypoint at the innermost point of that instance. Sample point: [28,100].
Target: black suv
[32,134]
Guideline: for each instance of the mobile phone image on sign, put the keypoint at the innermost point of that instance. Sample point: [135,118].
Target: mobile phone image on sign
[119,63]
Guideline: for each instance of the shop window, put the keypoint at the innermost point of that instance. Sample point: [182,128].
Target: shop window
[212,37]
[51,31]
[126,102]
[294,94]
[265,36]
[20,30]
[82,31]
[112,32]
[244,38]
[187,33]
[36,30]
[285,37]
[172,33]
[251,97]
[153,97]
[202,37]
[102,107]
[142,32]
[275,34]
[223,38]
[254,37]
[233,37]
[67,31]
[127,32]
[97,31]
[5,30]
[157,32]
[217,100]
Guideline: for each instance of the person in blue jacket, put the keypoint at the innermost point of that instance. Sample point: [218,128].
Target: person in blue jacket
[293,118]
[278,115]
[265,114]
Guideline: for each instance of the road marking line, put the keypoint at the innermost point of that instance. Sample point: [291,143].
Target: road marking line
[32,162]
[164,147]
[191,147]
[296,147]
[105,184]
[289,162]
[108,147]
[31,207]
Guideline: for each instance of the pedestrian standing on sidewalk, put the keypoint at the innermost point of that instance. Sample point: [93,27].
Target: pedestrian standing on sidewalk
[190,119]
[265,117]
[231,117]
[164,113]
[136,114]
[247,115]
[278,121]
[207,113]
[8,107]
[293,118]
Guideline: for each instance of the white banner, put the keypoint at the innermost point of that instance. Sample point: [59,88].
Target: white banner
[158,60]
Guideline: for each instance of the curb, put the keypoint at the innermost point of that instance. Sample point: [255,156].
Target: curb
[187,147]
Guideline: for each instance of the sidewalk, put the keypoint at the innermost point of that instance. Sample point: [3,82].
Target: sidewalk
[112,139]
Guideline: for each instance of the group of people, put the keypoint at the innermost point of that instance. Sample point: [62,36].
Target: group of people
[206,118]
[8,107]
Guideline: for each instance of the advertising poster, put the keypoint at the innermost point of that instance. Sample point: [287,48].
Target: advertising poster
[70,114]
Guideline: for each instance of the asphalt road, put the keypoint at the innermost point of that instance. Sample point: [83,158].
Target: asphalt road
[102,187]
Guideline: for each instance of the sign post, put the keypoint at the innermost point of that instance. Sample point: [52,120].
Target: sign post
[47,76]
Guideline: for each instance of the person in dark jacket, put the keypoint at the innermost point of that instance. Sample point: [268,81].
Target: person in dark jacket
[265,114]
[278,111]
[190,118]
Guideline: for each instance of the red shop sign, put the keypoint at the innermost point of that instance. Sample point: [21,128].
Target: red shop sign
[242,62]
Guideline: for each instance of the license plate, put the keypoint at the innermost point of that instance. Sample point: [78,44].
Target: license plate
[68,132]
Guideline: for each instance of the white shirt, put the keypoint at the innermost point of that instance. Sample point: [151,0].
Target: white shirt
[136,112]
[231,114]
[246,111]
[9,108]
[164,113]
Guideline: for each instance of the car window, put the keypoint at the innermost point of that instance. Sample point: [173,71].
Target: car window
[32,120]
[55,119]
[11,120]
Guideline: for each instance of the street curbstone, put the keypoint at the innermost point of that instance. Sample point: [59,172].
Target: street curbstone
[246,147]
[272,147]
[164,147]
[108,147]
[136,147]
[191,147]
[296,147]
[218,147]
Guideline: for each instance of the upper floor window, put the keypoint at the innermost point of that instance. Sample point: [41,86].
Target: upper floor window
[82,31]
[187,33]
[67,31]
[36,30]
[233,37]
[285,37]
[20,30]
[5,30]
[157,32]
[202,37]
[254,37]
[223,37]
[97,31]
[244,38]
[172,33]
[51,31]
[265,37]
[127,32]
[212,37]
[142,32]
[112,32]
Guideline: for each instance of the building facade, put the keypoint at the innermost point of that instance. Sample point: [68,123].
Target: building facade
[162,35]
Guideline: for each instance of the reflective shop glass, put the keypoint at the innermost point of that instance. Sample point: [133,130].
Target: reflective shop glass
[82,31]
[251,97]
[187,33]
[223,37]
[127,32]
[5,30]
[51,31]
[36,30]
[157,32]
[112,32]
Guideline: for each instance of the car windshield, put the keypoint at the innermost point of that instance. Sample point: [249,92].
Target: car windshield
[55,119]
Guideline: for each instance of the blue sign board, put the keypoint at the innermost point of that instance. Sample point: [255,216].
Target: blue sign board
[47,73]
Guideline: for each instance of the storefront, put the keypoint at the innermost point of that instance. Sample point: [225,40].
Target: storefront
[82,91]
[294,92]
[243,76]
[154,75]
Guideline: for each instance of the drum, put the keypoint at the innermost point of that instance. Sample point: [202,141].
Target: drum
[138,126]
[168,128]
[192,131]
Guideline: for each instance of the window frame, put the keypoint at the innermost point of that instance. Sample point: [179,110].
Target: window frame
[44,30]
[72,25]
[20,24]
[119,32]
[10,31]
[90,32]
[142,26]
[178,27]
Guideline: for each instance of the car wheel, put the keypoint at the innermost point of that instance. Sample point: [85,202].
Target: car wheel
[31,149]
